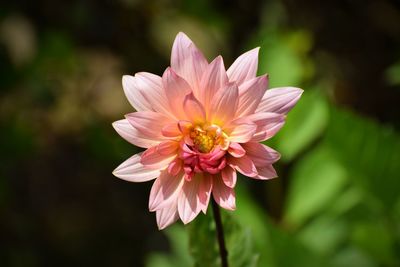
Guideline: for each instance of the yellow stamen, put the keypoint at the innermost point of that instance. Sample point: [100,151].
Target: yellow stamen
[203,140]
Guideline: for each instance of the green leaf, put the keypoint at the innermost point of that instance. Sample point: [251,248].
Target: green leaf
[316,180]
[369,151]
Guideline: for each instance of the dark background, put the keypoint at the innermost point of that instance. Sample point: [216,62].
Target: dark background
[61,64]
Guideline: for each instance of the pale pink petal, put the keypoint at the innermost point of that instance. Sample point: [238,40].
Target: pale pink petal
[204,192]
[236,150]
[158,157]
[265,173]
[133,171]
[241,131]
[260,154]
[279,100]
[268,124]
[224,104]
[188,200]
[223,195]
[133,93]
[152,90]
[245,67]
[176,88]
[132,135]
[167,216]
[165,189]
[229,176]
[244,165]
[149,123]
[194,109]
[250,94]
[213,79]
[188,61]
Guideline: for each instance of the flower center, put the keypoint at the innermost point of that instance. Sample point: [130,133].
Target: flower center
[203,140]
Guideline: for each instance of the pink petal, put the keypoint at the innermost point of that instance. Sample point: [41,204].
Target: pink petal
[223,195]
[132,135]
[176,88]
[188,200]
[204,192]
[268,124]
[194,109]
[175,166]
[229,176]
[224,104]
[265,173]
[133,171]
[241,131]
[244,165]
[152,90]
[213,79]
[167,216]
[158,157]
[149,124]
[188,61]
[171,130]
[250,94]
[279,100]
[260,154]
[245,67]
[133,93]
[236,150]
[164,190]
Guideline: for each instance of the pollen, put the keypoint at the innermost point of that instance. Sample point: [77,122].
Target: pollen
[203,140]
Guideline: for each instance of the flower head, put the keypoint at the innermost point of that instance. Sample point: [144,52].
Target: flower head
[200,124]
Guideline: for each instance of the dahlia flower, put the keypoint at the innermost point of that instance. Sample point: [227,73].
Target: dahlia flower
[200,124]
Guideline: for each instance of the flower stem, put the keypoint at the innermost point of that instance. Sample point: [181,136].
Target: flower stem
[220,234]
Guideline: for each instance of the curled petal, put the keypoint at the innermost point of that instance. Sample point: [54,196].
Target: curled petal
[266,173]
[279,100]
[260,154]
[244,165]
[158,157]
[236,150]
[223,195]
[229,176]
[245,67]
[268,124]
[133,171]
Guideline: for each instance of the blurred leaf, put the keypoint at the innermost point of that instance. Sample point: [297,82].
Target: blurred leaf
[179,256]
[304,124]
[277,247]
[315,181]
[324,234]
[351,257]
[381,248]
[393,74]
[369,151]
[204,246]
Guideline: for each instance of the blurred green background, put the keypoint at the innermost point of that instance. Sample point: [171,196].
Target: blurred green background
[336,202]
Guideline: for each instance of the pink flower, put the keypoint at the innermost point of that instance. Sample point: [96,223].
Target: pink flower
[200,124]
